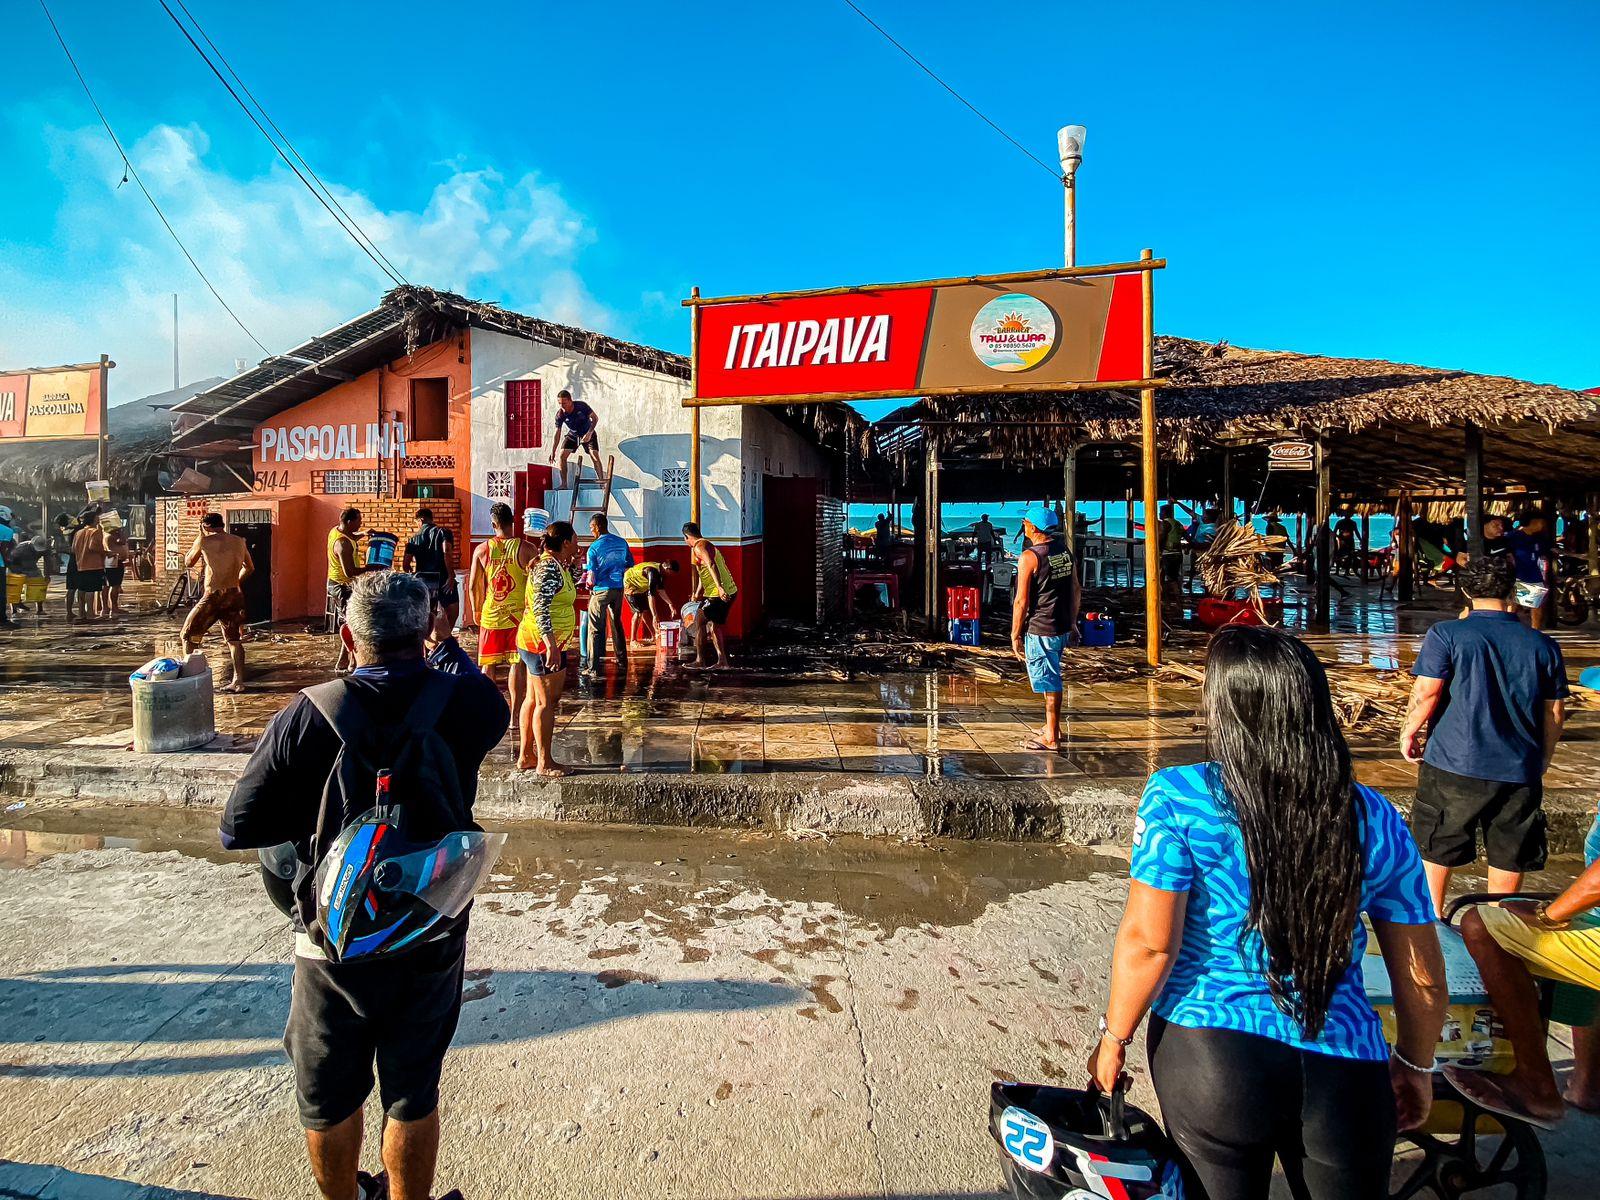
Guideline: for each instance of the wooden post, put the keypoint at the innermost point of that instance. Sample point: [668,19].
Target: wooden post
[1069,498]
[1147,421]
[694,418]
[1406,586]
[103,441]
[1128,525]
[1366,544]
[1474,478]
[1227,484]
[934,531]
[1324,543]
[1591,503]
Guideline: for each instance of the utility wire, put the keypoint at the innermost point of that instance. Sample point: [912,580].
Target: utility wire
[130,169]
[1055,172]
[381,264]
[299,158]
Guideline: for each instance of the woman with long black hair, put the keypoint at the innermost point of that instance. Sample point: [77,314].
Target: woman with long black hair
[1243,933]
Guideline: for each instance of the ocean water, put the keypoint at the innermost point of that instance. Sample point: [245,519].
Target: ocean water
[1113,523]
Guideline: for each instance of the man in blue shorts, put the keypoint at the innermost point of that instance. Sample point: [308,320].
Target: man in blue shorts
[1043,614]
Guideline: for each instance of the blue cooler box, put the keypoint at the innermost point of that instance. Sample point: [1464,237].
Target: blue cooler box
[965,632]
[1097,631]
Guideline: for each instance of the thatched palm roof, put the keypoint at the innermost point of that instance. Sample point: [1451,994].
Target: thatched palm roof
[141,437]
[1386,425]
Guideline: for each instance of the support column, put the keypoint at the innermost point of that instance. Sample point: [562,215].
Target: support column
[694,417]
[1148,469]
[1069,498]
[1406,585]
[1474,478]
[934,528]
[1227,484]
[1324,542]
[1366,545]
[103,442]
[1591,503]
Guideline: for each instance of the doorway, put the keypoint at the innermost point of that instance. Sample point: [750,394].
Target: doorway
[257,588]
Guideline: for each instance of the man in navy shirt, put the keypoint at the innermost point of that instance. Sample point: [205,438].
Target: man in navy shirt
[1491,694]
[609,557]
[1529,544]
[580,423]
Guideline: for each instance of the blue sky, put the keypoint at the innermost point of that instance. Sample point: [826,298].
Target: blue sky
[1410,181]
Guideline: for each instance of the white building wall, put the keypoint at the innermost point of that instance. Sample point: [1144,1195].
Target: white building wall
[642,422]
[772,448]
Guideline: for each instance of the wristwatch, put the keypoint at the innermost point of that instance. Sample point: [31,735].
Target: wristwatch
[1105,1032]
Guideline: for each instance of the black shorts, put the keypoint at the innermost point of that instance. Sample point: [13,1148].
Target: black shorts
[1450,810]
[114,575]
[338,598]
[445,593]
[89,581]
[570,443]
[399,1013]
[715,608]
[638,601]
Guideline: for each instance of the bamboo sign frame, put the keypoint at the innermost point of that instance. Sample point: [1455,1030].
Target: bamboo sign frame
[913,385]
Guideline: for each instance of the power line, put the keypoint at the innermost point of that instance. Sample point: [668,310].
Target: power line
[130,169]
[381,264]
[300,158]
[1055,173]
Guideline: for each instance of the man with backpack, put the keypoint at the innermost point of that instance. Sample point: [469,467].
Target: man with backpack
[316,772]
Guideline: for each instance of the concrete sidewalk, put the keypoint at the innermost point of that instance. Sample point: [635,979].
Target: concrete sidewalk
[696,1014]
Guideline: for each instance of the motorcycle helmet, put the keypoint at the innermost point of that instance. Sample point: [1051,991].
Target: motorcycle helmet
[1070,1144]
[378,892]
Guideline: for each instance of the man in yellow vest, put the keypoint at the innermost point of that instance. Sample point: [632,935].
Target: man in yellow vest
[713,586]
[342,571]
[641,584]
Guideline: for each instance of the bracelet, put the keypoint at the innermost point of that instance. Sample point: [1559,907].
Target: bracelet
[1394,1053]
[1105,1032]
[1541,917]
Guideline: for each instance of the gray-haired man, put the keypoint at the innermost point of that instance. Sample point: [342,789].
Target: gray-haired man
[399,1012]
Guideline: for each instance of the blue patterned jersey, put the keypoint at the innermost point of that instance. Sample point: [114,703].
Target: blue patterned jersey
[1186,839]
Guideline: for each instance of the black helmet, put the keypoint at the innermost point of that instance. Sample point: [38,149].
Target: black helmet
[1068,1144]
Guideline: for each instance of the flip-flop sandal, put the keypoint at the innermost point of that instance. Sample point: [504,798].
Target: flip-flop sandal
[1037,744]
[1497,1102]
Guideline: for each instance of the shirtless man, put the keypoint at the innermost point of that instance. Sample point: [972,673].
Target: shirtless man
[228,564]
[89,552]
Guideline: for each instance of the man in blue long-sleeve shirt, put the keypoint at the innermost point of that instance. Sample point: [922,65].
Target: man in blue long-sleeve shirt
[609,557]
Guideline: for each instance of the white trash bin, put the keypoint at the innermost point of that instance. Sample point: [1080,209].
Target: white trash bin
[172,714]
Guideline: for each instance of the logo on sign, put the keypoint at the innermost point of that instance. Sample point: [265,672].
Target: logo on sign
[1027,1139]
[1290,456]
[1013,332]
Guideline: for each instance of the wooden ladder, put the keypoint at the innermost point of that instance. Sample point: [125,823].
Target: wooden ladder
[605,500]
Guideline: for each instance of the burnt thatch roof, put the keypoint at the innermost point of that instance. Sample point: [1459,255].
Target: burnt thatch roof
[140,439]
[407,318]
[1386,425]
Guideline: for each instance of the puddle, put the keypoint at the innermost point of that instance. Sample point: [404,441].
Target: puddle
[675,883]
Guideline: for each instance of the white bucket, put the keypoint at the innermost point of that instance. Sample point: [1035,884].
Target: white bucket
[668,633]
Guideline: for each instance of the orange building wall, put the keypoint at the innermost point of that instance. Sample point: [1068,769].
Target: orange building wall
[379,397]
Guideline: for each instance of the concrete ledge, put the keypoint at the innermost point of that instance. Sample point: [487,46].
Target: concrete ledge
[1073,809]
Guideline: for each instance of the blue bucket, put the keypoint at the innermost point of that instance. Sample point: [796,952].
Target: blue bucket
[380,549]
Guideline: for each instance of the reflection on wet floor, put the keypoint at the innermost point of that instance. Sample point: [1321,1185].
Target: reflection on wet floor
[669,882]
[66,685]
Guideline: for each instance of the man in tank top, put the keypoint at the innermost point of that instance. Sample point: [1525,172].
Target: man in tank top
[1044,613]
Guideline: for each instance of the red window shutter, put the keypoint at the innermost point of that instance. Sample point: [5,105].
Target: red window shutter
[523,415]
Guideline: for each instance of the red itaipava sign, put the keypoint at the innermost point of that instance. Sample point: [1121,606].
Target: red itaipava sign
[1006,333]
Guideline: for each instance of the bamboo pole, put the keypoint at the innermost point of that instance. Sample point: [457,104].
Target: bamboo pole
[694,415]
[1324,543]
[104,440]
[934,525]
[1147,420]
[976,389]
[1069,498]
[1145,264]
[1591,503]
[1473,476]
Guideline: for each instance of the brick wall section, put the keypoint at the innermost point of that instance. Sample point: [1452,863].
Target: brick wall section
[830,558]
[393,515]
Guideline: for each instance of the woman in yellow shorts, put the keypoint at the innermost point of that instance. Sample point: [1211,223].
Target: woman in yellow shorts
[496,596]
[548,625]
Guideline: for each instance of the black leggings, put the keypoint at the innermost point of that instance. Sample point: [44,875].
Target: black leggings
[1234,1101]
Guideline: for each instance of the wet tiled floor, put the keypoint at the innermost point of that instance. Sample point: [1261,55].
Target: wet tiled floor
[63,685]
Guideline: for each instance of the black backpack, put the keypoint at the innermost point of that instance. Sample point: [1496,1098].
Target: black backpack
[423,781]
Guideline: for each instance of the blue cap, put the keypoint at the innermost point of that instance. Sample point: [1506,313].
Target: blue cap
[1041,518]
